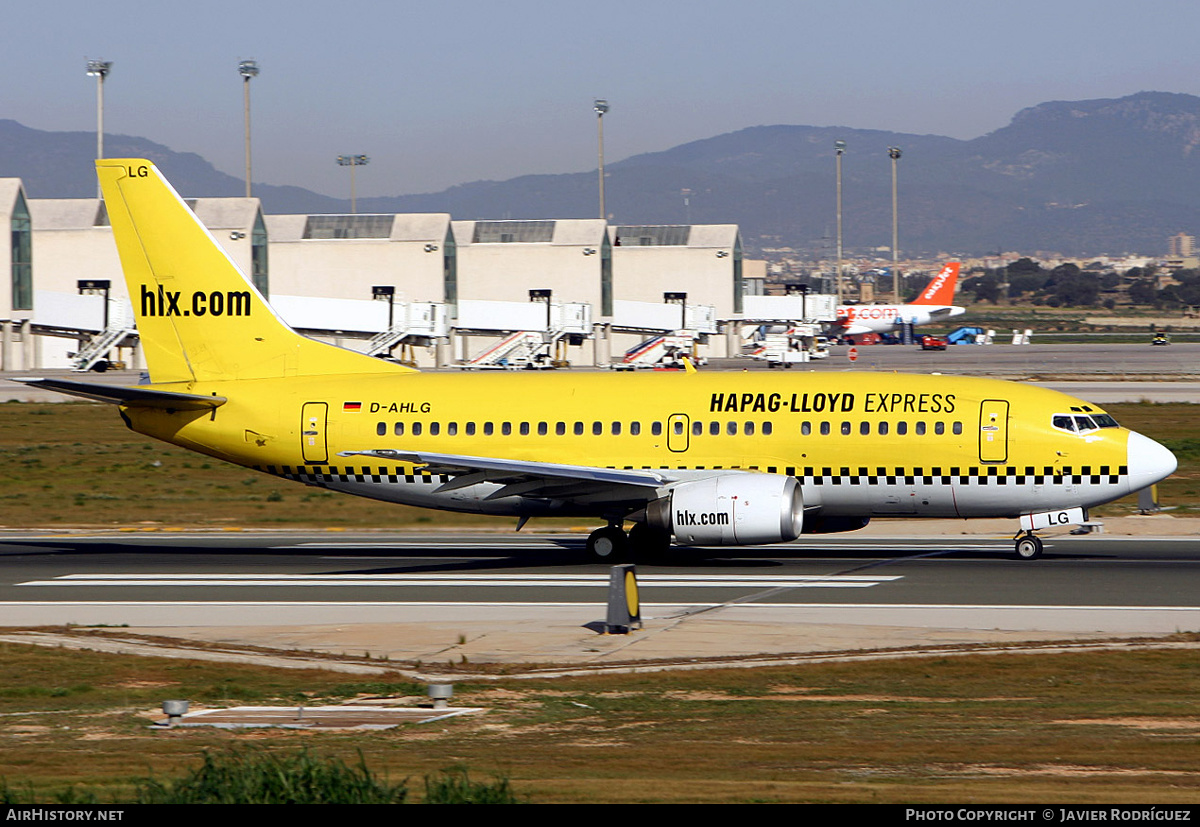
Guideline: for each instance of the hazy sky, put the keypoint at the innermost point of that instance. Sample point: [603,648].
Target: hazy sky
[441,93]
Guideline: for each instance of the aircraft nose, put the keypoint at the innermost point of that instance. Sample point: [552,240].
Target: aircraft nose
[957,311]
[1149,462]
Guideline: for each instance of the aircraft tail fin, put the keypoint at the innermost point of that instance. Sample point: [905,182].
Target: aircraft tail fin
[941,289]
[198,316]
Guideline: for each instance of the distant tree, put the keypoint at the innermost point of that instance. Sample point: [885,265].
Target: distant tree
[1024,266]
[987,288]
[1076,289]
[1143,292]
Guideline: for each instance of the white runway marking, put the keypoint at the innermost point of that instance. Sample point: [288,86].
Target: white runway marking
[509,580]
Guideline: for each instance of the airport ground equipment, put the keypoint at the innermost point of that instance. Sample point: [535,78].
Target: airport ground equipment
[667,351]
[121,327]
[792,345]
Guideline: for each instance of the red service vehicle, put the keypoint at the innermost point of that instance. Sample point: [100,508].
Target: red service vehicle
[932,343]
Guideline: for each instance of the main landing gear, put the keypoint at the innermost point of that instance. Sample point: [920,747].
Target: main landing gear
[612,545]
[1028,546]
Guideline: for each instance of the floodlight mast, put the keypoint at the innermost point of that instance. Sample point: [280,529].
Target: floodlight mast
[353,161]
[839,147]
[247,69]
[600,106]
[99,69]
[894,154]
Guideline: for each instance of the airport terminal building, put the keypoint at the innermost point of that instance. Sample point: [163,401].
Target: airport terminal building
[437,290]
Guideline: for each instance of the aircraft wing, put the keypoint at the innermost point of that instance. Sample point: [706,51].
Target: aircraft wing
[119,395]
[531,479]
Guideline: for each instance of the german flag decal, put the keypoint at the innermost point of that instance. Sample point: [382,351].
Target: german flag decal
[352,406]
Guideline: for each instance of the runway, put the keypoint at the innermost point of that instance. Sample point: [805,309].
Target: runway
[531,598]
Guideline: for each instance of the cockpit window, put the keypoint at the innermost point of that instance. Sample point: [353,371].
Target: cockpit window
[1064,422]
[1081,424]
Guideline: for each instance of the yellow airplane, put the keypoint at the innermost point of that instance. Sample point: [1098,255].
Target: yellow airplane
[703,459]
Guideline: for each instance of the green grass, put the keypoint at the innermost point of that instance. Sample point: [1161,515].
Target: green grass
[1120,727]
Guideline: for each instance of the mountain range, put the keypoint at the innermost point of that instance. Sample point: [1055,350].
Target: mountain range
[1079,178]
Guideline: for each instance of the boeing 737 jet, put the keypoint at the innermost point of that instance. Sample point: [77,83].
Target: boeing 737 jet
[935,304]
[698,458]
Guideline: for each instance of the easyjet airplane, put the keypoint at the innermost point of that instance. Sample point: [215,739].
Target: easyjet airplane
[935,303]
[703,458]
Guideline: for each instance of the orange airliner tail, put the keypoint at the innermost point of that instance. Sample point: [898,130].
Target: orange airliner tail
[941,289]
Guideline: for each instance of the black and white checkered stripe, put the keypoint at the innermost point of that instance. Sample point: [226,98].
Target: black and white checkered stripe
[326,474]
[974,475]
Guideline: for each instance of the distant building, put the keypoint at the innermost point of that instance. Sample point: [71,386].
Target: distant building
[1181,246]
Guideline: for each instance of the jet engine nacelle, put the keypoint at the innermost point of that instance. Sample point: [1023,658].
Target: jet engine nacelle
[731,510]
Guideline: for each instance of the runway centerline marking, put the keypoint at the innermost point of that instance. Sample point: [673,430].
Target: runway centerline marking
[485,580]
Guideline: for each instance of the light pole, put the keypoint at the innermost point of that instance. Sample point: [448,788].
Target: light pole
[247,69]
[600,107]
[353,161]
[894,154]
[99,69]
[839,147]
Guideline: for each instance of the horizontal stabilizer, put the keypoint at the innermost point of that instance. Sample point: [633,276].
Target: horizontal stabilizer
[140,397]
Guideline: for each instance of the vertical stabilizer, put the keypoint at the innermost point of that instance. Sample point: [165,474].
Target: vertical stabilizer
[199,318]
[940,291]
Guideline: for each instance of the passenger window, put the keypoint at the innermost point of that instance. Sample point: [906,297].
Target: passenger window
[678,428]
[824,429]
[506,429]
[524,429]
[578,429]
[731,428]
[883,428]
[920,429]
[714,428]
[416,429]
[435,428]
[748,430]
[398,429]
[656,429]
[901,428]
[381,429]
[635,428]
[542,429]
[487,429]
[470,429]
[864,428]
[845,429]
[767,428]
[939,428]
[616,429]
[957,428]
[560,428]
[451,429]
[697,428]
[805,428]
[597,428]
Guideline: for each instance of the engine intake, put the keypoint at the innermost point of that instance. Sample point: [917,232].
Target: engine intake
[734,509]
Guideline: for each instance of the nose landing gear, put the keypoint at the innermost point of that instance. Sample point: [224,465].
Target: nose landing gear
[1028,546]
